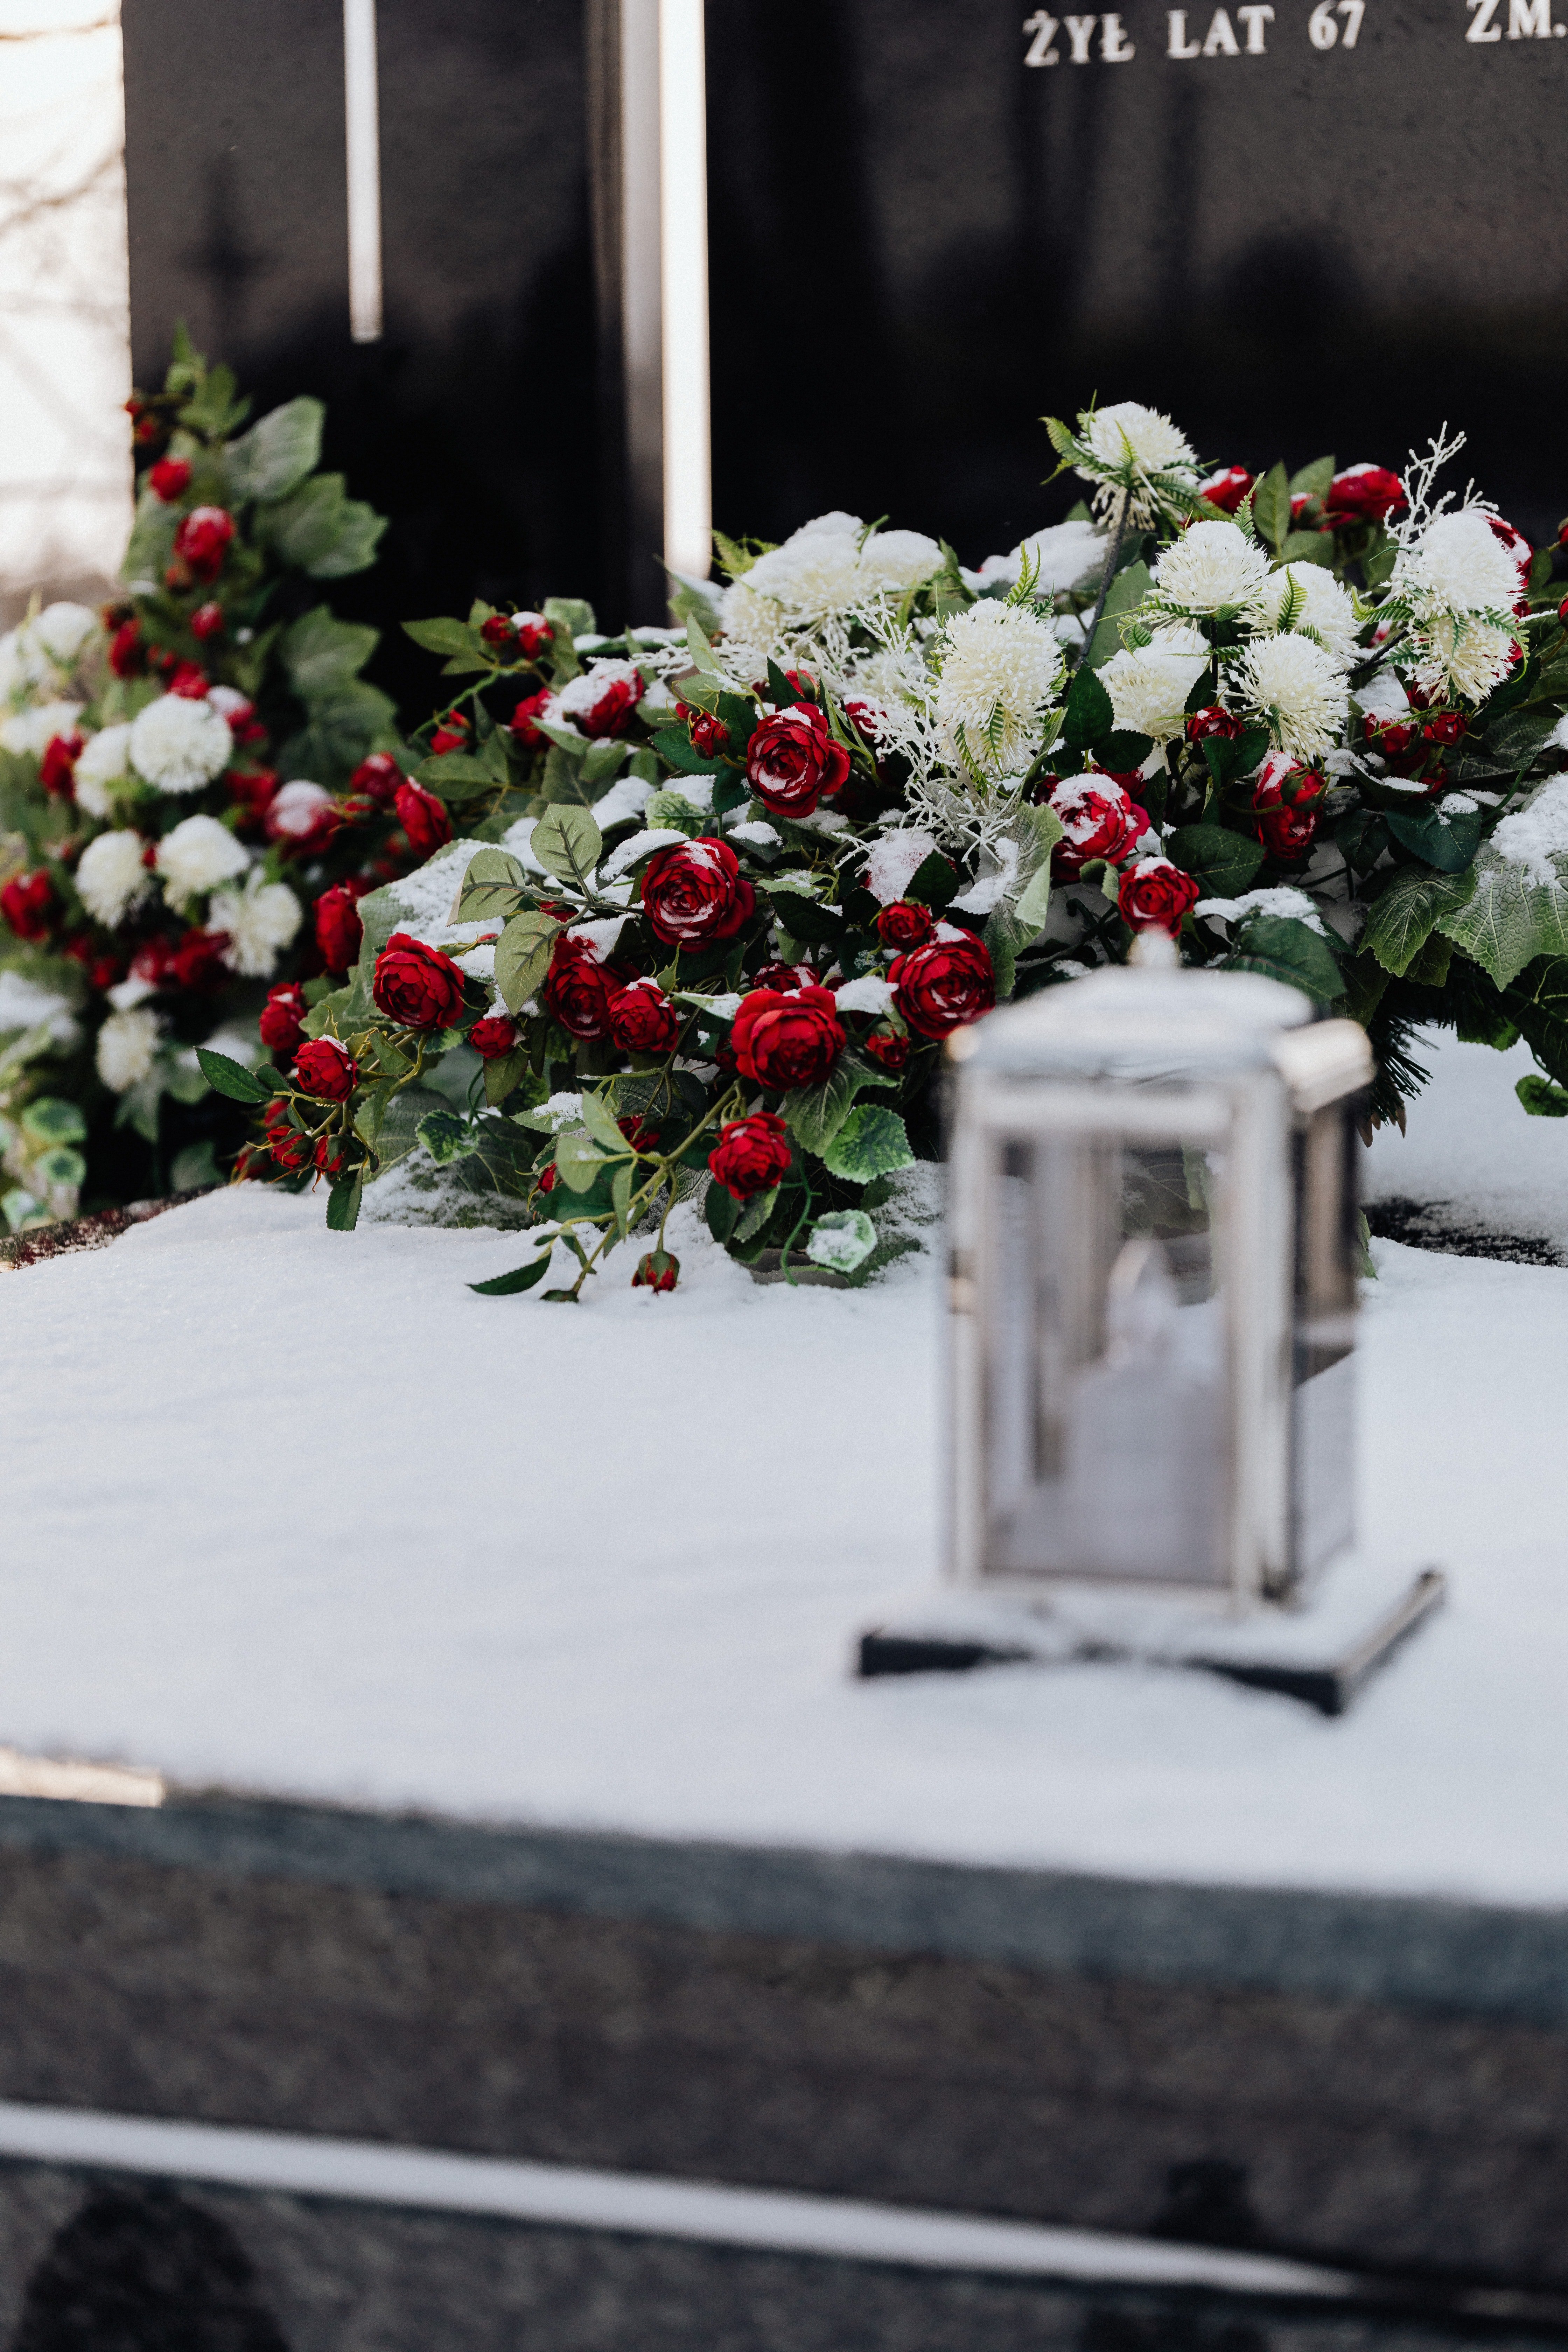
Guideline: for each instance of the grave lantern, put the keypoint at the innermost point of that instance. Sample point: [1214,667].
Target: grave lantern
[1154,1255]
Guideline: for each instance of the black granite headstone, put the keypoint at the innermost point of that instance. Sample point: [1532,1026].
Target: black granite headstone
[1297,228]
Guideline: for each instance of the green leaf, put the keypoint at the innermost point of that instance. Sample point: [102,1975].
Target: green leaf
[803,919]
[621,1196]
[721,1211]
[322,655]
[443,635]
[1288,951]
[1123,751]
[1514,740]
[454,775]
[391,1122]
[579,1159]
[1224,862]
[871,1142]
[353,548]
[1537,1005]
[276,453]
[1128,590]
[194,1167]
[1271,507]
[231,1079]
[343,1203]
[1508,919]
[814,1115]
[522,957]
[303,529]
[1429,967]
[1313,480]
[492,886]
[503,1073]
[1541,1099]
[676,748]
[667,813]
[524,1277]
[1405,914]
[1089,717]
[446,1137]
[1308,547]
[600,1122]
[566,843]
[1448,842]
[52,1120]
[754,1215]
[933,882]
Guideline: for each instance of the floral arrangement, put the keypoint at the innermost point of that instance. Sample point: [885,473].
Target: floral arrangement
[183,777]
[721,892]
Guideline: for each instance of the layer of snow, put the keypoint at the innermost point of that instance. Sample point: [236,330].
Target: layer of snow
[1469,1145]
[296,1512]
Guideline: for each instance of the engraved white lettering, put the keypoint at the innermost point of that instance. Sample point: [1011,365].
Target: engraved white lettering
[1220,40]
[1529,20]
[1044,28]
[1080,32]
[1483,29]
[1177,44]
[1353,11]
[1116,49]
[1255,20]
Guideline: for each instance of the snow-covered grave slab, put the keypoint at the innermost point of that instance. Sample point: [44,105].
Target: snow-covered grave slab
[295,1513]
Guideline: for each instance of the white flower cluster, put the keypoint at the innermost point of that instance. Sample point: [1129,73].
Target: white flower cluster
[832,564]
[1000,668]
[1128,449]
[39,655]
[178,744]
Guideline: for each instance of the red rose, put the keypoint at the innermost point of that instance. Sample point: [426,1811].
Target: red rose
[338,926]
[101,968]
[171,478]
[330,1154]
[577,989]
[324,1069]
[866,718]
[56,768]
[202,540]
[1215,720]
[282,1017]
[127,654]
[694,893]
[416,986]
[781,1041]
[1285,801]
[493,1036]
[1099,820]
[944,985]
[190,681]
[379,777]
[254,788]
[498,634]
[531,708]
[153,961]
[301,816]
[1444,727]
[785,976]
[548,1179]
[288,1147]
[642,1018]
[451,735]
[206,622]
[657,1270]
[1227,489]
[1364,494]
[534,634]
[198,960]
[709,732]
[26,902]
[603,701]
[886,1046]
[791,760]
[424,819]
[751,1155]
[1154,892]
[905,924]
[1391,737]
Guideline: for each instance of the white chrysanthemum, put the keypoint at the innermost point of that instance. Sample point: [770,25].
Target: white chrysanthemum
[196,856]
[1321,604]
[103,760]
[62,630]
[1066,555]
[1213,567]
[32,731]
[260,922]
[1001,666]
[835,524]
[1459,656]
[1458,565]
[1129,444]
[179,744]
[126,1046]
[1298,688]
[816,572]
[747,618]
[111,877]
[898,561]
[1149,684]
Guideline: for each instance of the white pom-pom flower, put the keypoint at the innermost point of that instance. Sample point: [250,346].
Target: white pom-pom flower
[179,744]
[1001,666]
[1459,564]
[260,922]
[34,731]
[1129,448]
[1298,688]
[1457,655]
[1149,684]
[127,1043]
[898,561]
[104,759]
[1317,602]
[1213,567]
[111,878]
[62,630]
[813,574]
[196,856]
[1065,556]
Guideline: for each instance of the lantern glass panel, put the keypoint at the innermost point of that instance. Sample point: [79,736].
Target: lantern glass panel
[1323,1363]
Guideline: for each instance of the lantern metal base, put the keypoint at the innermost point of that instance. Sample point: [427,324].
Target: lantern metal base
[1320,1652]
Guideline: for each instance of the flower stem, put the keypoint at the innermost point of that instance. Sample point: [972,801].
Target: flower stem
[1109,574]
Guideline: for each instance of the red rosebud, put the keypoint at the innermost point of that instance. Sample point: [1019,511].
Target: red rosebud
[499,634]
[535,634]
[1215,720]
[380,776]
[416,986]
[424,819]
[198,962]
[638,1133]
[1445,727]
[751,1155]
[709,732]
[26,902]
[1391,738]
[494,1036]
[56,768]
[301,816]
[190,682]
[127,654]
[254,789]
[1287,818]
[1099,820]
[1155,893]
[694,893]
[203,539]
[865,718]
[153,961]
[657,1270]
[101,968]
[887,1046]
[1227,489]
[171,478]
[781,1041]
[905,924]
[282,1017]
[331,1155]
[549,1177]
[577,989]
[785,976]
[944,985]
[326,1069]
[1364,494]
[1518,546]
[642,1019]
[338,926]
[451,734]
[206,622]
[531,708]
[791,760]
